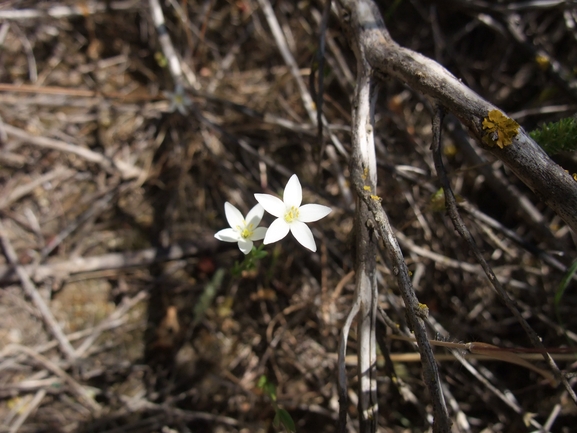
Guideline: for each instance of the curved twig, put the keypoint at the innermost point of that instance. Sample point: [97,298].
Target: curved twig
[342,378]
[416,312]
[451,205]
[37,299]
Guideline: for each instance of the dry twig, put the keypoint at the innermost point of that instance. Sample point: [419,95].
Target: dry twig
[36,298]
[451,205]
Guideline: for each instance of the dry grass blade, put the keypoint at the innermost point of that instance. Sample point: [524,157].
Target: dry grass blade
[31,406]
[35,296]
[79,265]
[76,387]
[127,171]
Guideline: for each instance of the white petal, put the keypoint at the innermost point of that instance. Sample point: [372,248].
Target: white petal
[258,234]
[313,212]
[245,245]
[181,109]
[228,235]
[233,216]
[273,205]
[255,215]
[293,192]
[303,234]
[277,230]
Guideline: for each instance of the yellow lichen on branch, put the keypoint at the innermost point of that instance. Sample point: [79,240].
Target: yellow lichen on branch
[500,129]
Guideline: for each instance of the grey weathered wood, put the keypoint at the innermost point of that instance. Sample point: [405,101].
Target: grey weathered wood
[365,28]
[370,218]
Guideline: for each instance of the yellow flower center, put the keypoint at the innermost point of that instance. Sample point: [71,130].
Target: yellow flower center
[246,232]
[291,214]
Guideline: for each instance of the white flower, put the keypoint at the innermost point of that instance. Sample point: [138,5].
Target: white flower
[243,230]
[291,215]
[178,100]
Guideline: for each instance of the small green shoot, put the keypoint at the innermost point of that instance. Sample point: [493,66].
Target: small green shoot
[559,295]
[437,202]
[208,295]
[282,418]
[250,261]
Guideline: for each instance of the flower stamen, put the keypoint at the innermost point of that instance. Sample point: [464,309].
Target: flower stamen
[242,230]
[291,215]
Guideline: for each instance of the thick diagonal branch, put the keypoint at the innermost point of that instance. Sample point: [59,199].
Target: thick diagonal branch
[366,30]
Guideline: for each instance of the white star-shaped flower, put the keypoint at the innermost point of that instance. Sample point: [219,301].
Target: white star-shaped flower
[243,230]
[291,215]
[178,100]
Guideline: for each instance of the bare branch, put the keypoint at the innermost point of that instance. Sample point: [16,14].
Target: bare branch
[68,11]
[365,27]
[451,205]
[364,160]
[364,178]
[166,44]
[416,312]
[78,265]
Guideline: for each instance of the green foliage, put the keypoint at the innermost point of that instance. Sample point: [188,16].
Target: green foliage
[208,295]
[267,387]
[282,418]
[250,261]
[557,136]
[564,283]
[567,278]
[437,202]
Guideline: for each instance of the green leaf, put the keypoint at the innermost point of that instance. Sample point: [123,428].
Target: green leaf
[259,253]
[250,261]
[236,269]
[564,283]
[262,381]
[559,295]
[267,387]
[205,300]
[270,389]
[283,418]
